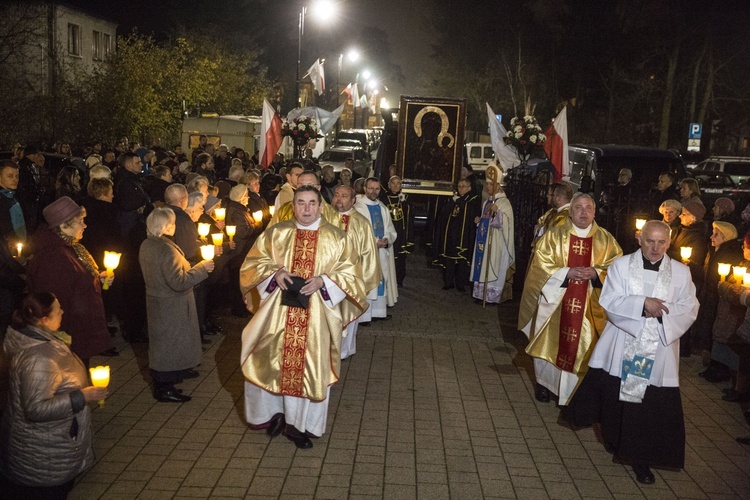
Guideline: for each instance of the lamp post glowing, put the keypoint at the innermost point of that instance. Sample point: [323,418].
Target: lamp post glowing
[111,261]
[99,378]
[323,10]
[724,270]
[220,213]
[203,230]
[217,238]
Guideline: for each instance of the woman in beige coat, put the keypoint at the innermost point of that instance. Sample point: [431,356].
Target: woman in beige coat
[46,439]
[174,335]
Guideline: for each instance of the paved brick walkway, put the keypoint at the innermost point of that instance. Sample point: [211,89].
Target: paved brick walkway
[437,403]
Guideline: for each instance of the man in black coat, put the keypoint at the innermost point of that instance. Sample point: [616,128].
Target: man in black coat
[130,197]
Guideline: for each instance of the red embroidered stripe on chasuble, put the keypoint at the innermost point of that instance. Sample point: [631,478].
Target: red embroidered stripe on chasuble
[297,319]
[573,304]
[345,222]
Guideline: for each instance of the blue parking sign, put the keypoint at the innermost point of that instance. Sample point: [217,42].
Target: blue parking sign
[695,131]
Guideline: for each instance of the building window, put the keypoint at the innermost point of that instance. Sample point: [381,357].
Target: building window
[107,47]
[74,39]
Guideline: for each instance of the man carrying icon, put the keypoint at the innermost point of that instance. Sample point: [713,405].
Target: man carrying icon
[305,289]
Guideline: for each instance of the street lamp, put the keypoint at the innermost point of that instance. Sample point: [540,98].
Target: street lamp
[323,10]
[352,55]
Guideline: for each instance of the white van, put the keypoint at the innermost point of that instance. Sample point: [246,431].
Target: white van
[480,154]
[232,130]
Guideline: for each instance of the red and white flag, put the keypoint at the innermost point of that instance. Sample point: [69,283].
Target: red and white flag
[348,92]
[270,136]
[317,76]
[556,145]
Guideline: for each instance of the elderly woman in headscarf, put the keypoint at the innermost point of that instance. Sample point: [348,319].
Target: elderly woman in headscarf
[173,328]
[726,248]
[731,333]
[62,266]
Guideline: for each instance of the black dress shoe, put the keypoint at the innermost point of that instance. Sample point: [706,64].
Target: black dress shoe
[541,394]
[188,374]
[170,395]
[744,440]
[111,353]
[299,439]
[205,341]
[387,318]
[717,375]
[208,330]
[214,326]
[277,425]
[365,324]
[643,474]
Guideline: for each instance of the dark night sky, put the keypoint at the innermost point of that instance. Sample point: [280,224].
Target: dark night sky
[404,22]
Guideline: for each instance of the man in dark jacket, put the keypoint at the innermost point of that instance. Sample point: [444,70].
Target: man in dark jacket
[157,183]
[12,222]
[130,197]
[31,190]
[399,208]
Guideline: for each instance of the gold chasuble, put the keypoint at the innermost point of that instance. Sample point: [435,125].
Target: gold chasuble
[293,351]
[565,333]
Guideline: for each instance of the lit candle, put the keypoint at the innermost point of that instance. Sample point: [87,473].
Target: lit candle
[217,238]
[19,247]
[746,280]
[203,230]
[111,261]
[639,223]
[220,213]
[686,252]
[739,274]
[231,231]
[258,215]
[207,252]
[99,378]
[724,270]
[272,209]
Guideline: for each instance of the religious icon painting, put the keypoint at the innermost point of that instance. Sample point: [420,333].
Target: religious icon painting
[430,144]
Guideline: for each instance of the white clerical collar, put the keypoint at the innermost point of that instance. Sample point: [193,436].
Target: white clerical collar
[582,233]
[312,227]
[567,205]
[368,201]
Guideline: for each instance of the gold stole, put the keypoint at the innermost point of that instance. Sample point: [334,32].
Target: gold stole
[573,304]
[297,319]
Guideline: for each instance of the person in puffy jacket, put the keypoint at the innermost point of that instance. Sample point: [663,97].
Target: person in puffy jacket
[46,437]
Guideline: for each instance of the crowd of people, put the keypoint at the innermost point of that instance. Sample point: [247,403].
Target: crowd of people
[310,255]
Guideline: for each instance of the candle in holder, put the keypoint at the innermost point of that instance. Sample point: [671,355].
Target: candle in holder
[207,252]
[272,209]
[203,230]
[231,231]
[19,248]
[258,215]
[739,274]
[99,378]
[639,223]
[111,261]
[724,270]
[686,252]
[220,213]
[217,238]
[746,280]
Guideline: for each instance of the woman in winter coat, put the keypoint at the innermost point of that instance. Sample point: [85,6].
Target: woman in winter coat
[63,266]
[173,329]
[46,438]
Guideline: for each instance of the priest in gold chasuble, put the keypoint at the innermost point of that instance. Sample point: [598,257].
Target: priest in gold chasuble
[291,350]
[286,210]
[560,312]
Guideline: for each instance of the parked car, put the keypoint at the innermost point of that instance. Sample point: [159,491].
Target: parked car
[736,166]
[715,185]
[338,155]
[479,155]
[594,168]
[357,135]
[348,143]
